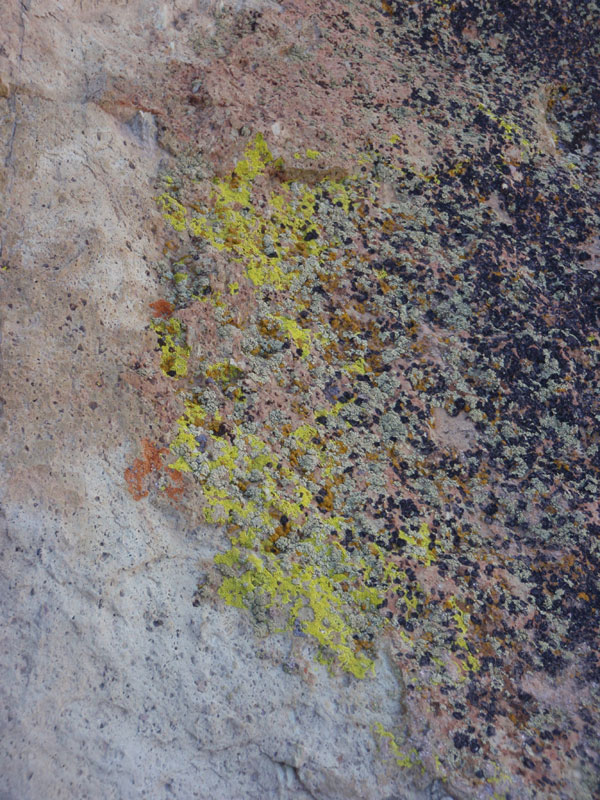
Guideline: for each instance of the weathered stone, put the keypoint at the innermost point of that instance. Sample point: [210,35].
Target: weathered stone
[115,683]
[413,345]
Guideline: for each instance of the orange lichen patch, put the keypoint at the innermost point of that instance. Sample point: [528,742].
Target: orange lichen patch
[162,308]
[280,530]
[142,467]
[175,492]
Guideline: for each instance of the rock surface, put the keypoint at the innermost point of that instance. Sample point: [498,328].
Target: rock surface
[124,672]
[114,684]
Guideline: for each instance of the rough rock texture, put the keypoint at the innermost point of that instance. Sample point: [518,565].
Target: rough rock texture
[114,684]
[372,355]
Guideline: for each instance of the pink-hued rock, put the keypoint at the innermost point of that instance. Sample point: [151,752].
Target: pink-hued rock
[450,375]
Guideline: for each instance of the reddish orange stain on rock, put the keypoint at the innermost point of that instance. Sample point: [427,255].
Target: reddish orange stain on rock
[142,467]
[162,308]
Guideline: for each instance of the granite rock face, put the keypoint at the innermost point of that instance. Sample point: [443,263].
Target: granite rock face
[299,352]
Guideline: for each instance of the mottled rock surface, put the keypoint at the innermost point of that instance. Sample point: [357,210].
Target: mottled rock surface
[115,683]
[300,399]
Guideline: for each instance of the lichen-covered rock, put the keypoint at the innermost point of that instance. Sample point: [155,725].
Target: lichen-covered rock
[301,358]
[119,678]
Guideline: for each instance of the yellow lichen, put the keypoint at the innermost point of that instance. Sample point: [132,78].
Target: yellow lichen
[305,433]
[237,225]
[402,759]
[461,623]
[419,543]
[174,358]
[263,499]
[358,367]
[300,336]
[303,588]
[512,132]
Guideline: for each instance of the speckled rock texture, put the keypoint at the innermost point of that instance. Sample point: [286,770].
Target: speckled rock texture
[300,399]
